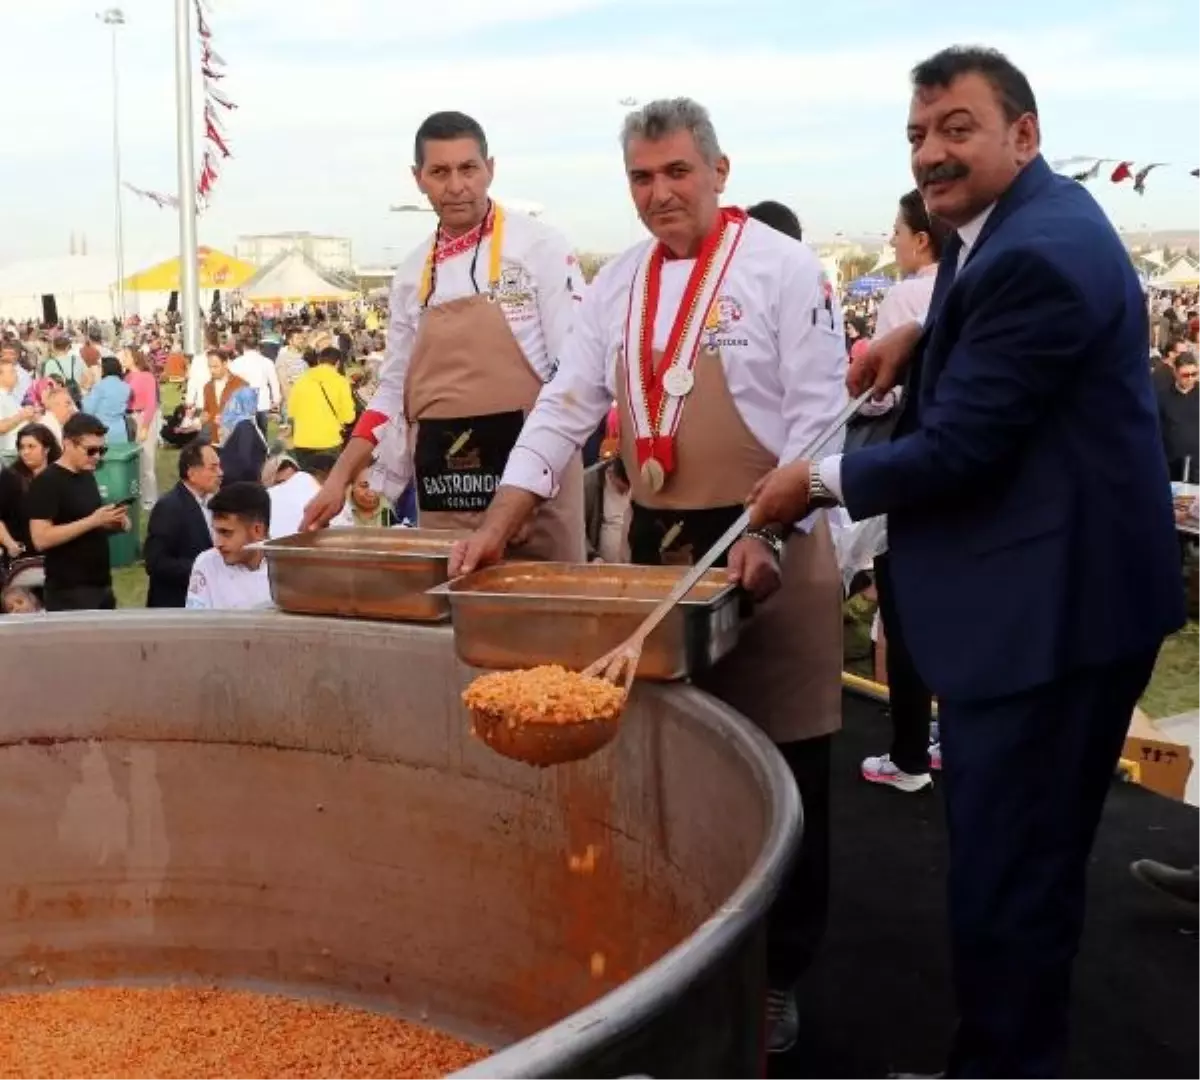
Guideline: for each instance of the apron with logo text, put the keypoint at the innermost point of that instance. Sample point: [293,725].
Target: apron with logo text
[468,390]
[786,672]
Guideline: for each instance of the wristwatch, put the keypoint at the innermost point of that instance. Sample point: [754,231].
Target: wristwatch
[819,496]
[772,540]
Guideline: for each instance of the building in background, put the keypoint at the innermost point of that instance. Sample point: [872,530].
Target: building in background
[329,252]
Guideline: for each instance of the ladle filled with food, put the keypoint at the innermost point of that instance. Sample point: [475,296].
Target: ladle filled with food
[549,715]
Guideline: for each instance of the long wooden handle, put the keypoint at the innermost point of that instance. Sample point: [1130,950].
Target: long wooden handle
[730,536]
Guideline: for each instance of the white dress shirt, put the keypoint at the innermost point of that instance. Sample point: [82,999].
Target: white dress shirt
[260,373]
[906,301]
[782,351]
[540,285]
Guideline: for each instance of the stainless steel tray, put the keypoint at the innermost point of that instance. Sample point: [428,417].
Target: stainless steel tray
[362,573]
[524,614]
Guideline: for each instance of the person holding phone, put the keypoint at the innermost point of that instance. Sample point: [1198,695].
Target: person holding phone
[69,525]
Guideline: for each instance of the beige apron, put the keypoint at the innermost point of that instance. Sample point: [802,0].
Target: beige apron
[467,369]
[786,672]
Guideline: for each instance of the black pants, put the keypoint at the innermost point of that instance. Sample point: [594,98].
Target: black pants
[79,598]
[304,458]
[910,702]
[1025,779]
[797,920]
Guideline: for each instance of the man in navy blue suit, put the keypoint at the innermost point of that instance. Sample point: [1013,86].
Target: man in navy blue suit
[1031,538]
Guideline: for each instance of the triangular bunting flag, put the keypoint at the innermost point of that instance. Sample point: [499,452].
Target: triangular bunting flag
[1139,181]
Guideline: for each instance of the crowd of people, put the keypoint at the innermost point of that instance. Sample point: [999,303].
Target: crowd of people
[1016,448]
[70,394]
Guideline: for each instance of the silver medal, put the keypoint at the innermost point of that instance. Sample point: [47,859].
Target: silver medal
[678,381]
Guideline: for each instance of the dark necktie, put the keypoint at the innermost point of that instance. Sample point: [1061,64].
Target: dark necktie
[947,269]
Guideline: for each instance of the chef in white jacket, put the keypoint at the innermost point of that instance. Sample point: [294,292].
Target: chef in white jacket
[480,313]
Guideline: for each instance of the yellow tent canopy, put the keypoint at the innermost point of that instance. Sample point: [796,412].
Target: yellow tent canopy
[217,271]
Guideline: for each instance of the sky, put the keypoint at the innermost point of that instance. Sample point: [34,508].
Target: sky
[809,102]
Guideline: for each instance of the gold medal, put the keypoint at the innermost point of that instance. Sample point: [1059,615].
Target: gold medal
[654,476]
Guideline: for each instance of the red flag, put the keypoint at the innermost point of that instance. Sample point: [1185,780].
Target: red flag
[211,117]
[211,73]
[1122,172]
[214,137]
[215,95]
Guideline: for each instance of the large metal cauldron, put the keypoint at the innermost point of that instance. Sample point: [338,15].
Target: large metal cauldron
[273,800]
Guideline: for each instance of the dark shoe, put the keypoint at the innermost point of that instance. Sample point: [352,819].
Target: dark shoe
[1179,885]
[783,1021]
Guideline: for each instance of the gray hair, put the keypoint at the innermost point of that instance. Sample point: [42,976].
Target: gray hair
[667,116]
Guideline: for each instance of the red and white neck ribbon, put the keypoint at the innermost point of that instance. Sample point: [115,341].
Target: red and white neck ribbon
[655,412]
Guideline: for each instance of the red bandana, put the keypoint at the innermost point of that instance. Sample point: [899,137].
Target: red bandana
[450,246]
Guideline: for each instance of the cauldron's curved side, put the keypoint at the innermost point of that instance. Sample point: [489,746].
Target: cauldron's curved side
[270,800]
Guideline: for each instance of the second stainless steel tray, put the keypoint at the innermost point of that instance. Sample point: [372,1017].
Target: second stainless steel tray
[524,614]
[363,573]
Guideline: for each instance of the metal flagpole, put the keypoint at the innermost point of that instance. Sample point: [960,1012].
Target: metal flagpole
[113,18]
[189,284]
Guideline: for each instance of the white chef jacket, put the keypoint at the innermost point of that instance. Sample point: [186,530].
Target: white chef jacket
[541,283]
[782,350]
[217,586]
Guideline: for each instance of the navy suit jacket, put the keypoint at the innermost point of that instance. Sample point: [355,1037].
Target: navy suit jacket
[177,533]
[1029,512]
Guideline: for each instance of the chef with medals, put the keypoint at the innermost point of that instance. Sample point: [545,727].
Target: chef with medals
[480,313]
[723,347]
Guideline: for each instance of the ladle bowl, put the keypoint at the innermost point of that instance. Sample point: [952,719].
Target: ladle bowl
[542,743]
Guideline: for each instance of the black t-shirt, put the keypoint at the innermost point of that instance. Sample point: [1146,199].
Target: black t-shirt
[60,497]
[12,505]
[1180,418]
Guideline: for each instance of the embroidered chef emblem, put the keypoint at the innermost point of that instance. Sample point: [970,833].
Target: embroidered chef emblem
[720,325]
[517,293]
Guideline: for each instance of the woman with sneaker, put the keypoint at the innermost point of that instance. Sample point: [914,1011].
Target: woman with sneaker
[917,240]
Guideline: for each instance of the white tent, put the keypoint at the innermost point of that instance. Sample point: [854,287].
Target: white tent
[1181,274]
[82,286]
[292,278]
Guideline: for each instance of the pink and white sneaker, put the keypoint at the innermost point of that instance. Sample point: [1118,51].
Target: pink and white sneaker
[935,756]
[881,770]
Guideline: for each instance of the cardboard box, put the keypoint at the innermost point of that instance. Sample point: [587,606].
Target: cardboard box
[1155,760]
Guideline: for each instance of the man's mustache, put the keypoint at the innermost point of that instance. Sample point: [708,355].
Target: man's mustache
[948,170]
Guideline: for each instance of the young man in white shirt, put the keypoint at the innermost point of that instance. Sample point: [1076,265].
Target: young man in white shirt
[480,314]
[260,373]
[227,577]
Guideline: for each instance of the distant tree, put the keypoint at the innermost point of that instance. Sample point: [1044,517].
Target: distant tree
[853,267]
[1168,255]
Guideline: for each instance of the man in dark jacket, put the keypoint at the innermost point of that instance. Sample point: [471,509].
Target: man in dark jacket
[1026,472]
[179,528]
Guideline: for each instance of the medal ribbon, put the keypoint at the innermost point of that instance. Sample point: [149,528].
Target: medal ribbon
[649,402]
[440,251]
